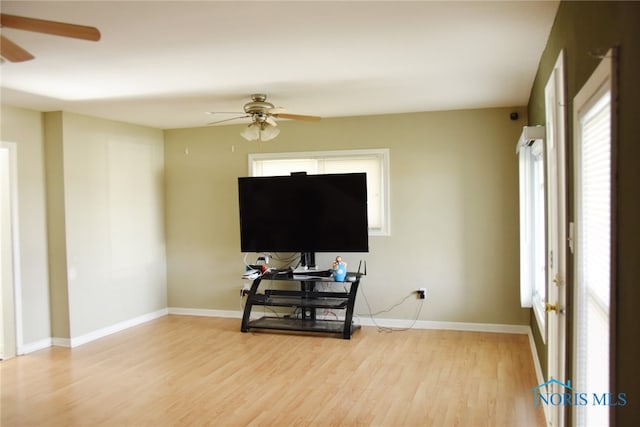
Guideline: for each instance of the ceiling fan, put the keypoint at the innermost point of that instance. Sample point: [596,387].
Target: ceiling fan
[14,53]
[262,114]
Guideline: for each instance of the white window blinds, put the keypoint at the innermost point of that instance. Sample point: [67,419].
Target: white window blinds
[373,162]
[532,230]
[593,239]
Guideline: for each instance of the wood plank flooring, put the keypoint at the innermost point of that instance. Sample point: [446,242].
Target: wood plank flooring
[196,371]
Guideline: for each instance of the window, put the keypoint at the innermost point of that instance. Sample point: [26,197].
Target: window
[539,232]
[375,163]
[532,230]
[593,225]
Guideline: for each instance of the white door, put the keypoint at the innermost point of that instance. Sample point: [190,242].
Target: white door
[592,118]
[556,233]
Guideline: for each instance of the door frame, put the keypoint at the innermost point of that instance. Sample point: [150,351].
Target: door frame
[557,237]
[12,292]
[604,77]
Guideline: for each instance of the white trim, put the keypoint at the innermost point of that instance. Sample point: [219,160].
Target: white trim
[530,177]
[103,332]
[532,233]
[555,161]
[37,345]
[536,359]
[448,326]
[541,318]
[12,147]
[539,376]
[597,85]
[387,323]
[61,342]
[235,314]
[204,312]
[384,153]
[316,155]
[524,195]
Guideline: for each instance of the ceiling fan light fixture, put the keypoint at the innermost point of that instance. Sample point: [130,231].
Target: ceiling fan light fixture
[267,133]
[263,126]
[251,133]
[261,131]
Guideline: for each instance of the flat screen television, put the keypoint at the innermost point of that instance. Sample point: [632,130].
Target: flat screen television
[304,213]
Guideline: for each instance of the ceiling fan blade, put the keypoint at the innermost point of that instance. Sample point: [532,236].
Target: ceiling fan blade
[277,110]
[270,120]
[228,120]
[50,27]
[297,117]
[12,52]
[223,112]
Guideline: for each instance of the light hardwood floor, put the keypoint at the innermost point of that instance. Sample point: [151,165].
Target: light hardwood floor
[192,371]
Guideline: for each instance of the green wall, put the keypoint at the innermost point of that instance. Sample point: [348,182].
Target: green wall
[105,223]
[584,30]
[25,129]
[454,212]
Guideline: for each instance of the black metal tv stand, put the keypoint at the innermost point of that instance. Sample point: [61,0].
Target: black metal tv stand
[307,300]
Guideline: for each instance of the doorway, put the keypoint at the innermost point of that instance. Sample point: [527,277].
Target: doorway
[555,307]
[593,118]
[10,326]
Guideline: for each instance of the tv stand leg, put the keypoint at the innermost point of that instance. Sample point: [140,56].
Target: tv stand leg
[249,304]
[348,316]
[307,313]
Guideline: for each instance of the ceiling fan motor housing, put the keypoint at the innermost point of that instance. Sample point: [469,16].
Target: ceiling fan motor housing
[258,107]
[263,113]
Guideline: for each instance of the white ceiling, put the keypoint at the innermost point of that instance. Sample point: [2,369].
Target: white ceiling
[166,63]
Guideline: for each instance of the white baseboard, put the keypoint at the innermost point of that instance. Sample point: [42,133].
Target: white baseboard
[61,342]
[35,346]
[536,359]
[386,323]
[103,332]
[539,376]
[205,312]
[236,314]
[452,326]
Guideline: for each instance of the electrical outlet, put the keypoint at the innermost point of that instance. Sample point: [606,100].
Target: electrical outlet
[422,293]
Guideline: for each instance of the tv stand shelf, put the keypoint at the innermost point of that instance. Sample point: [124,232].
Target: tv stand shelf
[307,299]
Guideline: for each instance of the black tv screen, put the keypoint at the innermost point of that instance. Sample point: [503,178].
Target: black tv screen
[304,213]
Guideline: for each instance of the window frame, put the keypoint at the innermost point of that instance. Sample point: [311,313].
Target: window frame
[539,255]
[532,238]
[599,93]
[381,154]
